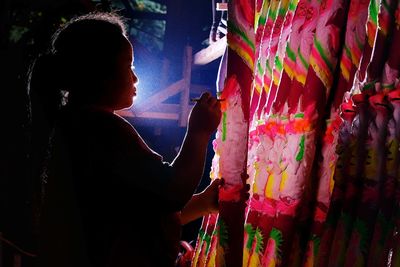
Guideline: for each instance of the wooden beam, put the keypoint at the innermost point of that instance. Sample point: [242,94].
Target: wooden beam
[168,108]
[159,115]
[187,76]
[153,108]
[126,113]
[210,53]
[149,115]
[158,110]
[159,97]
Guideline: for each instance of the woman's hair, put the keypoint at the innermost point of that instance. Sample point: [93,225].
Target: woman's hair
[80,56]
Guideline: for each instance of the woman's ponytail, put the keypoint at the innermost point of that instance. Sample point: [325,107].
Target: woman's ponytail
[45,88]
[45,95]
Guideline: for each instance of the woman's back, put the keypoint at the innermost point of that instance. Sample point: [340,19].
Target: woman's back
[94,192]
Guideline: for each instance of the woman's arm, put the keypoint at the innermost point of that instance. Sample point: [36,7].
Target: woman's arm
[188,166]
[207,201]
[202,204]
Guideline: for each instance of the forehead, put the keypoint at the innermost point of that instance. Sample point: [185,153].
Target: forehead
[125,52]
[127,47]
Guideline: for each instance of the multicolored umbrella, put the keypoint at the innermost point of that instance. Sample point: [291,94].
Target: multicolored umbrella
[271,139]
[261,212]
[319,250]
[384,225]
[358,220]
[263,36]
[331,142]
[283,47]
[230,144]
[279,37]
[361,236]
[301,148]
[353,181]
[298,154]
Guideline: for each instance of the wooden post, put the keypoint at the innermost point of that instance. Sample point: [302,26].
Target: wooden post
[210,53]
[186,73]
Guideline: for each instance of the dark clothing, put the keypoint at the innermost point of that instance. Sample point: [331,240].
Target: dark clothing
[105,198]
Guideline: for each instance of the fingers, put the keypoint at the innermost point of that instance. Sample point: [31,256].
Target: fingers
[205,96]
[221,181]
[210,100]
[216,184]
[247,187]
[205,115]
[244,191]
[244,177]
[218,181]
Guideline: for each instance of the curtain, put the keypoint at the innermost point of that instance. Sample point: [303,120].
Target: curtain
[311,113]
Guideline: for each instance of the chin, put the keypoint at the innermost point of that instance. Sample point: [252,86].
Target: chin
[126,105]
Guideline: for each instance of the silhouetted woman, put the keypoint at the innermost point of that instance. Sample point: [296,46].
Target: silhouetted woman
[108,199]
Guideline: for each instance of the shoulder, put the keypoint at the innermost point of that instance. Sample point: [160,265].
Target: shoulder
[122,134]
[105,129]
[109,120]
[97,122]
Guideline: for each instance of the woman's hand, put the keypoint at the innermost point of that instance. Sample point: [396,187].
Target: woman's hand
[202,203]
[205,115]
[209,196]
[207,201]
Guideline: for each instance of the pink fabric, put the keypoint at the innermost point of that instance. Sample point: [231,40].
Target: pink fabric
[266,206]
[287,208]
[230,193]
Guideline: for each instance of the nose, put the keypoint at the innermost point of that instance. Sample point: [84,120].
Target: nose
[134,77]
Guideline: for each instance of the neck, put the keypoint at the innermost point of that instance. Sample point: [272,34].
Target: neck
[91,106]
[88,104]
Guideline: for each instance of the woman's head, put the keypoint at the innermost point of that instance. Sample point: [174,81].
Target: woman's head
[90,58]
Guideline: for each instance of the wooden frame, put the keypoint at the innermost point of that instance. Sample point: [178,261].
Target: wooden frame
[154,108]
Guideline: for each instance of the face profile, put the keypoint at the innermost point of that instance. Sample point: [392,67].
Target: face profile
[120,86]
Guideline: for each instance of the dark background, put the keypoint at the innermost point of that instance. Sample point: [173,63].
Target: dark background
[25,30]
